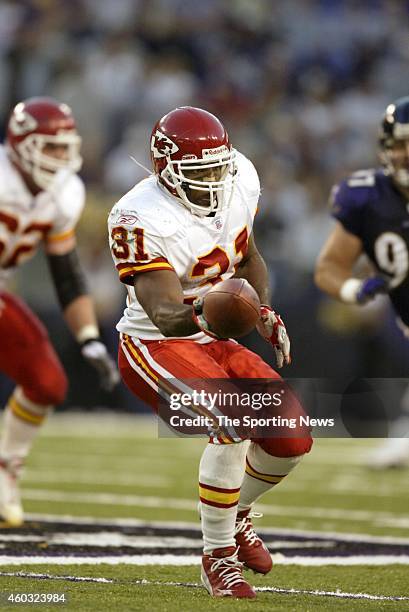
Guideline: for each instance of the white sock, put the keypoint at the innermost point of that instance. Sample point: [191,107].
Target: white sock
[21,424]
[263,471]
[220,476]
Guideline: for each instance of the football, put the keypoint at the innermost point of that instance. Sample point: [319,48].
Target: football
[232,308]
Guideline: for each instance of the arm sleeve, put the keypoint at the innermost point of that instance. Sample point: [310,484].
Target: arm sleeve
[69,279]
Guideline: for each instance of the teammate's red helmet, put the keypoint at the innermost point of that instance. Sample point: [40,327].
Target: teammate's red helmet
[35,123]
[190,139]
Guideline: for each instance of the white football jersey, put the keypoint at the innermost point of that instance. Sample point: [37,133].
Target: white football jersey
[149,229]
[27,220]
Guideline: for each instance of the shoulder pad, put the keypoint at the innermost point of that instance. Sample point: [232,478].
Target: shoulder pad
[248,184]
[248,176]
[364,179]
[147,207]
[12,187]
[70,199]
[356,190]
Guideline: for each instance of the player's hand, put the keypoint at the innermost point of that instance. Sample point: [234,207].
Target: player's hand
[371,287]
[198,318]
[272,328]
[95,352]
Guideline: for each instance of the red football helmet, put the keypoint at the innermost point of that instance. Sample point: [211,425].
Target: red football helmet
[34,124]
[189,143]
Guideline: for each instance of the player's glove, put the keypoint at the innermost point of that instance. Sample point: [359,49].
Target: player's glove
[371,287]
[272,328]
[95,352]
[198,318]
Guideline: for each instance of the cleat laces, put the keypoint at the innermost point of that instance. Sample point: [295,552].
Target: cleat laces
[231,572]
[245,527]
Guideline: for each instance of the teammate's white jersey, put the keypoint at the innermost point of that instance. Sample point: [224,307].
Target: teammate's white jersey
[27,220]
[149,229]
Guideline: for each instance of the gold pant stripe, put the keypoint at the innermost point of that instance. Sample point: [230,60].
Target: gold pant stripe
[139,360]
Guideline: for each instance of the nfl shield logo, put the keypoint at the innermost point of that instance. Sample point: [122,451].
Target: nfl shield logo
[218,222]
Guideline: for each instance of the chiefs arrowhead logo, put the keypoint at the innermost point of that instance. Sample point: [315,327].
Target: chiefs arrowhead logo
[21,122]
[162,146]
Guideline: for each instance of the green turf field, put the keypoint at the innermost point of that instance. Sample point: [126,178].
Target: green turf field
[114,467]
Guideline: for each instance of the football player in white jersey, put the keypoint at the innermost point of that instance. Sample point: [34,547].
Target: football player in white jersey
[41,199]
[173,236]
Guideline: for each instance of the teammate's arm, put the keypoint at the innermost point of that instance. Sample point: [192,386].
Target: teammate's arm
[78,308]
[160,294]
[253,268]
[69,281]
[336,261]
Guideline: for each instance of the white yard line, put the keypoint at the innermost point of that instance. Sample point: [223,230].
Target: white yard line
[111,478]
[167,454]
[179,560]
[90,477]
[352,487]
[111,499]
[178,525]
[122,462]
[338,593]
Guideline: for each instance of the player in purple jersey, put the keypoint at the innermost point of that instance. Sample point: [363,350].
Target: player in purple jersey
[371,209]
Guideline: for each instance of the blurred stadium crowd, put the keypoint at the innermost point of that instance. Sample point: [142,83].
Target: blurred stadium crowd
[301,86]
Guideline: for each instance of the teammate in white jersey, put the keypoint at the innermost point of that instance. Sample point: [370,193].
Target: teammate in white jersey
[173,236]
[41,199]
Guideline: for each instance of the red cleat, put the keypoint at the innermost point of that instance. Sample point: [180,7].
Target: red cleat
[253,553]
[222,574]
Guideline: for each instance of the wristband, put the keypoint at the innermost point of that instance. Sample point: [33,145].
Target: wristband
[87,332]
[349,290]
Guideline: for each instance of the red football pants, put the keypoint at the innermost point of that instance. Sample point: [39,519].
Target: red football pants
[145,363]
[26,354]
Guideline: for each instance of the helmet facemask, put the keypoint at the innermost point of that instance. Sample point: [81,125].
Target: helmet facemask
[183,177]
[42,167]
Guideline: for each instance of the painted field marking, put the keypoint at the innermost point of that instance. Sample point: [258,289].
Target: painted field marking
[131,522]
[90,477]
[320,593]
[176,560]
[148,501]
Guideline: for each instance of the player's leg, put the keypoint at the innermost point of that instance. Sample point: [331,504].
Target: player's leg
[147,367]
[268,461]
[28,358]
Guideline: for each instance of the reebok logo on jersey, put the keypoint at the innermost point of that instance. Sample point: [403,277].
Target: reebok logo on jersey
[127,218]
